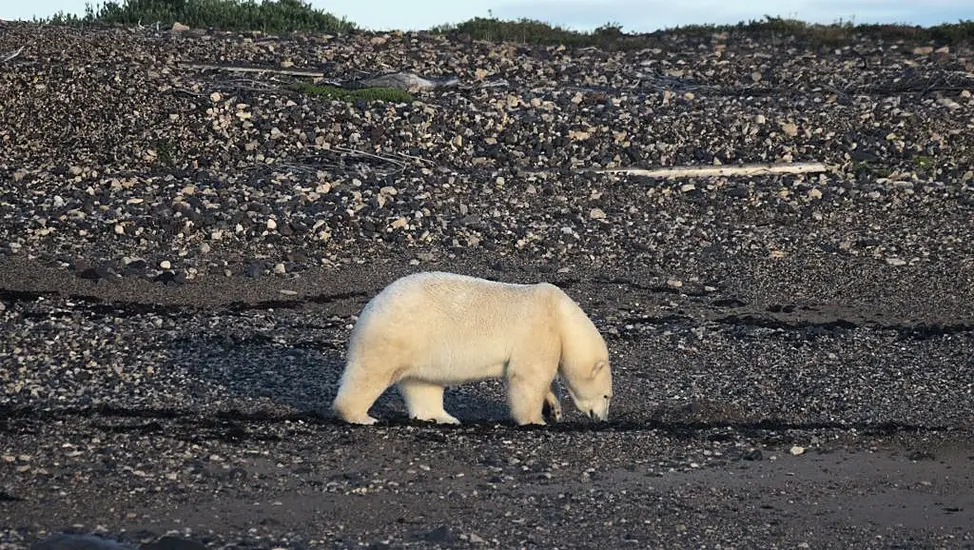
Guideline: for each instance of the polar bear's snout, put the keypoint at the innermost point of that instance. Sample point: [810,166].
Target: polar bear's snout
[601,411]
[597,409]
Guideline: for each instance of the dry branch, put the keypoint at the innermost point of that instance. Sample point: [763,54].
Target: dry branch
[710,171]
[359,152]
[239,69]
[10,56]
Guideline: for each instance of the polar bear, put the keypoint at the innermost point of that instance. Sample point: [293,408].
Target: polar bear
[429,330]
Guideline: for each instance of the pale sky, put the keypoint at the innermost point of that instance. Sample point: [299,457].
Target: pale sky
[634,15]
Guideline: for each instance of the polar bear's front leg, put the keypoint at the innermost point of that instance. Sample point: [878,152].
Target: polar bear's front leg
[526,397]
[554,405]
[425,401]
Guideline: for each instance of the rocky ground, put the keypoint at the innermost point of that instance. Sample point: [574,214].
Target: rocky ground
[183,252]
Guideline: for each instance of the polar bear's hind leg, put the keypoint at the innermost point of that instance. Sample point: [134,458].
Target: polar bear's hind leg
[424,401]
[358,391]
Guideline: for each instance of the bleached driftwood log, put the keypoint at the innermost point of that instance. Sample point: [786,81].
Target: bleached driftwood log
[12,55]
[410,82]
[723,170]
[237,69]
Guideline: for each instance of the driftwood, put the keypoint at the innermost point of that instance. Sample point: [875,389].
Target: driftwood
[241,69]
[690,171]
[359,152]
[410,82]
[368,163]
[723,170]
[10,56]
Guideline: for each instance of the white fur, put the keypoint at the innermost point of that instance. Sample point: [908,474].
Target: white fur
[430,330]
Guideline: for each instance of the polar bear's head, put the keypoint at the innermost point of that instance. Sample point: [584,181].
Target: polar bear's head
[592,391]
[584,365]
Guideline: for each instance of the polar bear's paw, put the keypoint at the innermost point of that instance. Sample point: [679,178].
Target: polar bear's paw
[361,420]
[442,417]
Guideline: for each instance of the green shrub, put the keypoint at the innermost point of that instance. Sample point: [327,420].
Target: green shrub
[391,95]
[530,31]
[275,16]
[610,35]
[844,32]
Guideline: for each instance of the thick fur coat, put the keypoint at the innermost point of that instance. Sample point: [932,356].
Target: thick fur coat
[430,330]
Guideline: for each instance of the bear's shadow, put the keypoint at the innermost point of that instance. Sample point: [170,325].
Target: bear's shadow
[251,370]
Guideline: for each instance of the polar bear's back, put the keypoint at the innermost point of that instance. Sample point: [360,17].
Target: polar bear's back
[448,302]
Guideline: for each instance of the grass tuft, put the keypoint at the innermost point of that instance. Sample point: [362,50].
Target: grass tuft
[391,95]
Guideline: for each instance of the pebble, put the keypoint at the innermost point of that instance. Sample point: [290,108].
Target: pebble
[753,455]
[789,128]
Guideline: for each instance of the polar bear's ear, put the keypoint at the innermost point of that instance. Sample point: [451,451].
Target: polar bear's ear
[600,365]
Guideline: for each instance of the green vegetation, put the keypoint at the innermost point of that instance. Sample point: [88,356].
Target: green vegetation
[610,35]
[923,162]
[926,166]
[275,16]
[166,152]
[529,31]
[392,95]
[284,16]
[870,169]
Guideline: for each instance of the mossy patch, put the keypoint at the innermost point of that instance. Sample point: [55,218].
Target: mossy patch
[390,95]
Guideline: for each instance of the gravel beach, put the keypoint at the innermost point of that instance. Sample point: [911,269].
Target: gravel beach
[185,243]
